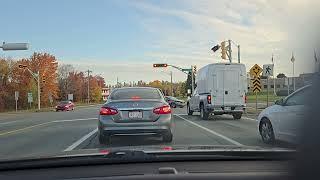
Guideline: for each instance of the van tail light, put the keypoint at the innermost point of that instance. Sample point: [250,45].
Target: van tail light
[209,99]
[162,110]
[108,111]
[245,99]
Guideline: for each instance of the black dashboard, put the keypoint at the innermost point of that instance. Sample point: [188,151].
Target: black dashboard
[220,169]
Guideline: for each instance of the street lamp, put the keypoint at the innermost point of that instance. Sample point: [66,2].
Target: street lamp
[14,46]
[292,60]
[36,76]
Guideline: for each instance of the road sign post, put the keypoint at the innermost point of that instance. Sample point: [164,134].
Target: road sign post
[30,99]
[256,83]
[16,97]
[268,71]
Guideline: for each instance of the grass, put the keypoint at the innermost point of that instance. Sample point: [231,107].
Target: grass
[262,97]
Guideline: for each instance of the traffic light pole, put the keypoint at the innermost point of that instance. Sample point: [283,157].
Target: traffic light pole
[230,51]
[171,83]
[192,80]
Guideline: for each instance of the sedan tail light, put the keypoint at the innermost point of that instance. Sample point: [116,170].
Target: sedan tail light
[108,111]
[209,99]
[162,110]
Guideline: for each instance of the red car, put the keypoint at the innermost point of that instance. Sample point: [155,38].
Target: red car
[65,106]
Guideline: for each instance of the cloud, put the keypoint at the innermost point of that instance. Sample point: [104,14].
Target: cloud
[260,27]
[184,31]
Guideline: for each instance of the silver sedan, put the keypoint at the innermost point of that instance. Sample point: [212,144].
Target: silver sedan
[135,111]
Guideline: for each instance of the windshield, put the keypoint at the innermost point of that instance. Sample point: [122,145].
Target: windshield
[64,102]
[222,63]
[138,93]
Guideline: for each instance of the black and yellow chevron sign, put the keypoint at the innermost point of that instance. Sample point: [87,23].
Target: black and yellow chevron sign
[256,84]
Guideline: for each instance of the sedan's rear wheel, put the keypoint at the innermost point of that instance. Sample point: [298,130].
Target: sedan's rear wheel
[266,132]
[167,137]
[173,105]
[104,139]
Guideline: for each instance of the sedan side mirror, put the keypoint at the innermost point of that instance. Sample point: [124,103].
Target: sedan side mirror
[279,102]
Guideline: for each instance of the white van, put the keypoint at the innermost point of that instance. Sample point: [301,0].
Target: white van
[220,89]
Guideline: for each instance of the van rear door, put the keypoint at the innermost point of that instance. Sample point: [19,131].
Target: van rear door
[218,84]
[232,86]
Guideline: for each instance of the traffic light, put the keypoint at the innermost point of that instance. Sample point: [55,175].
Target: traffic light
[215,48]
[160,65]
[195,69]
[223,50]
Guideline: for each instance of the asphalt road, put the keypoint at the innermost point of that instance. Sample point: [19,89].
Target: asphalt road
[33,134]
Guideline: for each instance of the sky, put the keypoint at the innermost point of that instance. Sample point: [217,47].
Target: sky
[123,38]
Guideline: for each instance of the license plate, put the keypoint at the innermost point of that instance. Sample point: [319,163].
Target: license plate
[227,108]
[135,115]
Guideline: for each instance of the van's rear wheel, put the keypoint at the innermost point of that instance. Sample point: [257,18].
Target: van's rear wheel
[203,114]
[189,110]
[237,115]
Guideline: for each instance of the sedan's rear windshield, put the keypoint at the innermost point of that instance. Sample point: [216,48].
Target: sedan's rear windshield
[135,93]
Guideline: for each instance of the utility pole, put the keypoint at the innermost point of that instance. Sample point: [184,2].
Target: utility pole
[274,79]
[230,51]
[117,82]
[39,92]
[294,83]
[88,98]
[238,53]
[192,80]
[171,83]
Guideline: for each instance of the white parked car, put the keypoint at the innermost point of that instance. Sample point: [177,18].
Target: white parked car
[283,120]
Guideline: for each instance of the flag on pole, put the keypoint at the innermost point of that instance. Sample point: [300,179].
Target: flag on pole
[272,58]
[315,56]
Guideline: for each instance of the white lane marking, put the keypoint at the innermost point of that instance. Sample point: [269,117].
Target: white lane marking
[45,123]
[251,119]
[81,140]
[71,120]
[10,122]
[212,132]
[181,114]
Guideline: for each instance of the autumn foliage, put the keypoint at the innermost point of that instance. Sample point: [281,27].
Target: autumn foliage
[55,81]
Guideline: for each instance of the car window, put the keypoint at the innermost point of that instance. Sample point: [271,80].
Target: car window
[139,93]
[299,98]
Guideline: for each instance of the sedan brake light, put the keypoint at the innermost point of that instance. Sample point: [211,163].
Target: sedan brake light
[162,110]
[108,111]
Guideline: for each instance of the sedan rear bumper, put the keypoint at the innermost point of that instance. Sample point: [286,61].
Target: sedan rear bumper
[144,130]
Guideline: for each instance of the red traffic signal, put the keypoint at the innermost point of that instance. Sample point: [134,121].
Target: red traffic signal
[160,65]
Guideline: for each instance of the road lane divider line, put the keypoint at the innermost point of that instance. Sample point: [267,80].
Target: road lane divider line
[22,129]
[9,122]
[41,124]
[81,140]
[71,120]
[181,114]
[212,132]
[251,119]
